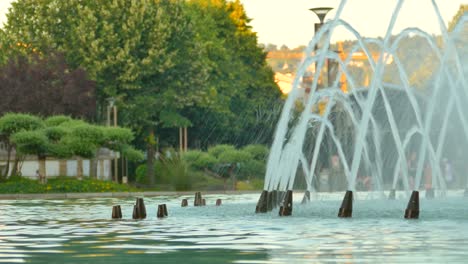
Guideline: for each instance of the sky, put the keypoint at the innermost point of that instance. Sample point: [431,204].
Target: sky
[290,22]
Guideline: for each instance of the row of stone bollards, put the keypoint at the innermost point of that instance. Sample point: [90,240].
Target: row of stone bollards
[269,200]
[199,201]
[139,209]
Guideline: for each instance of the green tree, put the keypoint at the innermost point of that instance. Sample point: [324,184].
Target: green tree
[196,61]
[241,81]
[45,86]
[64,137]
[10,124]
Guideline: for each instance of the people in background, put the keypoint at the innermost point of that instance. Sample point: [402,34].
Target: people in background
[448,172]
[40,177]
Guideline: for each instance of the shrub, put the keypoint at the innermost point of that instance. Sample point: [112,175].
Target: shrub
[258,152]
[57,120]
[252,169]
[176,169]
[55,133]
[11,123]
[217,150]
[140,173]
[61,185]
[234,156]
[199,160]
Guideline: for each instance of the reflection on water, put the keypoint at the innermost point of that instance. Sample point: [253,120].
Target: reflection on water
[81,231]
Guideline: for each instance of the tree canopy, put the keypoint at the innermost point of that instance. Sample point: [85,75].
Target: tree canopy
[167,64]
[61,137]
[45,86]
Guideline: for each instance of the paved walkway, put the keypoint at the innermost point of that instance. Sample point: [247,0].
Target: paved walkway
[111,195]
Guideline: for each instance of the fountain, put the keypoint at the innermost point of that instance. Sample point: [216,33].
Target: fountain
[384,136]
[403,139]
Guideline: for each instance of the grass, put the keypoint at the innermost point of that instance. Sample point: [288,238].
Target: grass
[61,185]
[200,182]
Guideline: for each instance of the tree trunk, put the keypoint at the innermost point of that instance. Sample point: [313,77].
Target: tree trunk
[7,167]
[79,168]
[150,159]
[62,167]
[14,169]
[42,168]
[93,166]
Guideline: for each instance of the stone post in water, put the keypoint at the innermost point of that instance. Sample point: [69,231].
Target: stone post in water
[346,209]
[269,201]
[162,211]
[262,203]
[198,199]
[286,208]
[116,212]
[139,210]
[412,210]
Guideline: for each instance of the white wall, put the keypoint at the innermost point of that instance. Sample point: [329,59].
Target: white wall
[53,169]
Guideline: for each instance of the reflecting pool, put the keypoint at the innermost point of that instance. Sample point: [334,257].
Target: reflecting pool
[81,231]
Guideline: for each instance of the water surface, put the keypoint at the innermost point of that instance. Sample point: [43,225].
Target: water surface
[81,231]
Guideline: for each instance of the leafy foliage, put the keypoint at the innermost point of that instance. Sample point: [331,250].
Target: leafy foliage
[61,185]
[57,120]
[45,86]
[30,142]
[217,150]
[199,160]
[11,123]
[258,152]
[167,63]
[63,137]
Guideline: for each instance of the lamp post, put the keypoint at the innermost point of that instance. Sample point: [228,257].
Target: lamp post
[321,12]
[112,110]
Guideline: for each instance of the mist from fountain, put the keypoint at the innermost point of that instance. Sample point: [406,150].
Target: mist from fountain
[366,129]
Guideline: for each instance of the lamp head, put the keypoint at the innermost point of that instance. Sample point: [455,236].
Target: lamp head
[321,12]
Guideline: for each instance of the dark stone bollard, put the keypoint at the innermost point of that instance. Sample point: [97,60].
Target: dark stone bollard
[286,208]
[162,211]
[274,195]
[281,195]
[203,202]
[139,210]
[198,199]
[346,209]
[184,203]
[392,194]
[142,208]
[218,202]
[262,203]
[306,198]
[430,193]
[269,201]
[136,212]
[412,210]
[116,212]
